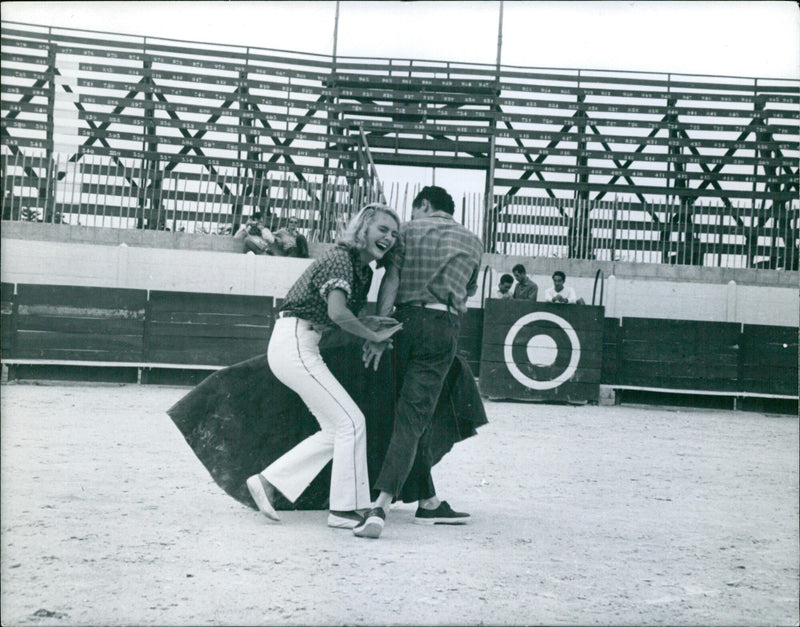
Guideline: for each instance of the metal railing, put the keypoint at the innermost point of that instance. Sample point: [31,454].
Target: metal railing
[97,193]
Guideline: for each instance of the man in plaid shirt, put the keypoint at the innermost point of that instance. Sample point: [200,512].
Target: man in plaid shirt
[435,270]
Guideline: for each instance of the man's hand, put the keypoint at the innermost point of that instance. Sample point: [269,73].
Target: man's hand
[374,350]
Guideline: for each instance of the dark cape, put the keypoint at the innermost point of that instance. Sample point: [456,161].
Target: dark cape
[241,418]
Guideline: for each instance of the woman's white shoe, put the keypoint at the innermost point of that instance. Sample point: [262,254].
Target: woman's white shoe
[258,486]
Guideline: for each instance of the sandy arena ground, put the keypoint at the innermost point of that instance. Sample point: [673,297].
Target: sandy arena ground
[581,515]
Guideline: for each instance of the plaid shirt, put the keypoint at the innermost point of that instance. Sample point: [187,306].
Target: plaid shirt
[438,260]
[336,269]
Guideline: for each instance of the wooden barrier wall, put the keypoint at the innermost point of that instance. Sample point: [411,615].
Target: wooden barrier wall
[206,329]
[68,323]
[94,326]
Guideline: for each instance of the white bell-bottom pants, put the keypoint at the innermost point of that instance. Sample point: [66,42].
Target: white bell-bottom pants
[295,360]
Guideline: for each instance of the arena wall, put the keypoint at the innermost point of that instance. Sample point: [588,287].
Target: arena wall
[69,255]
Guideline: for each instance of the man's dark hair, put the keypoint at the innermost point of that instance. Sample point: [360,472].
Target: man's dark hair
[506,278]
[438,197]
[518,268]
[561,274]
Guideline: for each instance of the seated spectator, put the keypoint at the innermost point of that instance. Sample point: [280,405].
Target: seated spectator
[289,242]
[526,289]
[560,293]
[504,287]
[256,236]
[285,242]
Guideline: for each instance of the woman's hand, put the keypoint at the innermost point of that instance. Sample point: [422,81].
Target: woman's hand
[382,335]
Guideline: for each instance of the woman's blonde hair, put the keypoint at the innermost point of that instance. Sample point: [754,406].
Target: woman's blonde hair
[354,235]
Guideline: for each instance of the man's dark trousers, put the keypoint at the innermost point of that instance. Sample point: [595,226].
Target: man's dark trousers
[423,352]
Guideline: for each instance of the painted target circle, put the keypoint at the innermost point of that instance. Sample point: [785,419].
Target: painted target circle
[542,339]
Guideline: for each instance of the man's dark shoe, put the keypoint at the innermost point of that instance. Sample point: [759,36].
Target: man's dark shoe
[442,515]
[371,525]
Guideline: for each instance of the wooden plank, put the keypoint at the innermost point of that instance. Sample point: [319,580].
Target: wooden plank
[411,96]
[12,42]
[76,322]
[611,350]
[572,120]
[785,383]
[638,157]
[769,359]
[416,83]
[24,107]
[620,78]
[263,166]
[679,354]
[202,328]
[202,331]
[395,126]
[607,92]
[233,145]
[31,74]
[82,324]
[646,189]
[245,128]
[17,57]
[411,143]
[429,113]
[163,302]
[224,112]
[31,344]
[222,353]
[689,381]
[26,142]
[112,68]
[80,354]
[668,175]
[416,68]
[645,140]
[255,313]
[215,64]
[628,108]
[220,345]
[117,302]
[196,79]
[430,161]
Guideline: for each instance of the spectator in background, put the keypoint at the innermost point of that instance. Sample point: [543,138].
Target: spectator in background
[526,289]
[504,287]
[560,293]
[285,242]
[289,242]
[256,236]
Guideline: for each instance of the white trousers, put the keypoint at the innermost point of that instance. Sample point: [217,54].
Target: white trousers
[294,358]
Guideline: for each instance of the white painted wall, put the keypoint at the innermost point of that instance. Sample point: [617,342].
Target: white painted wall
[137,267]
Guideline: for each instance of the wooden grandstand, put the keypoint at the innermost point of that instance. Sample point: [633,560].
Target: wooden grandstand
[148,132]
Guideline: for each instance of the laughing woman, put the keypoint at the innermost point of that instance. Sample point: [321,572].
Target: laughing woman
[330,292]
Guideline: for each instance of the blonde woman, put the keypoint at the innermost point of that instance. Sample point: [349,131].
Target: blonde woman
[331,291]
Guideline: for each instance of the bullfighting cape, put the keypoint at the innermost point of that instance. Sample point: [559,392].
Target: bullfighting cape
[241,418]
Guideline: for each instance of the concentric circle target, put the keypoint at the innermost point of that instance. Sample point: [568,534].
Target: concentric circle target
[547,341]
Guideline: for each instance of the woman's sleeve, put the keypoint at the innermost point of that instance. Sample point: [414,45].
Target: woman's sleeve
[335,274]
